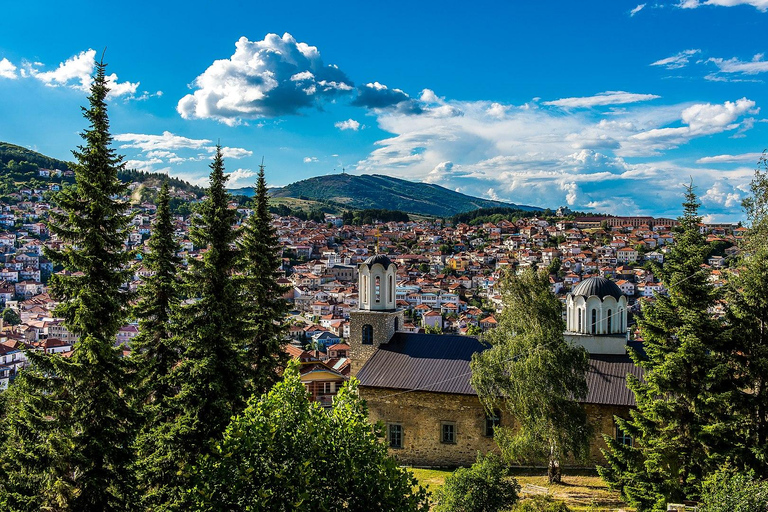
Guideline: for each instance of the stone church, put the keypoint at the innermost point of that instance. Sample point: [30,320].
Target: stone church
[419,384]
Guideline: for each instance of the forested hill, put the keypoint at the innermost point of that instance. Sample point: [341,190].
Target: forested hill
[384,192]
[23,164]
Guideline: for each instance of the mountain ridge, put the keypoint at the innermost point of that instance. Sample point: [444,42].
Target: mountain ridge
[378,191]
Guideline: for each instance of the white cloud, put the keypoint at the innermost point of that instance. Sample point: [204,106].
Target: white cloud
[734,65]
[7,69]
[531,155]
[273,77]
[76,73]
[602,99]
[240,178]
[760,5]
[723,159]
[155,150]
[349,124]
[677,61]
[310,159]
[166,141]
[636,9]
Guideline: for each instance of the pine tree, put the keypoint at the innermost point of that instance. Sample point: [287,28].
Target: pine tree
[259,261]
[532,373]
[155,350]
[70,421]
[210,378]
[680,427]
[747,316]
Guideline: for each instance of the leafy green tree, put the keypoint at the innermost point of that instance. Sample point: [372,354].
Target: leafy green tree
[681,427]
[728,490]
[259,261]
[484,487]
[285,453]
[433,329]
[11,317]
[531,372]
[474,330]
[69,419]
[155,350]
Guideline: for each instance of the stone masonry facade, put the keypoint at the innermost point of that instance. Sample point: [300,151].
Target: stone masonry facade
[384,325]
[421,415]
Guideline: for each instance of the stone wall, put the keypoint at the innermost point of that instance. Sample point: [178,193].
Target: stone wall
[421,414]
[383,323]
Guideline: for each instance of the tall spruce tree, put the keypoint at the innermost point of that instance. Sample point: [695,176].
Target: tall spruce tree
[259,262]
[747,316]
[210,379]
[533,374]
[69,425]
[680,428]
[155,350]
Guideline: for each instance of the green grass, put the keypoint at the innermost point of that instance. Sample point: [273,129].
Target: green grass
[581,490]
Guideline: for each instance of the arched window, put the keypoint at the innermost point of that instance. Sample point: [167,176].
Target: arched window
[578,312]
[609,322]
[594,321]
[377,289]
[367,334]
[391,287]
[397,324]
[365,289]
[623,323]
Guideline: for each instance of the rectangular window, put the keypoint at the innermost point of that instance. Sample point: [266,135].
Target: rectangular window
[622,437]
[491,422]
[327,388]
[395,435]
[448,432]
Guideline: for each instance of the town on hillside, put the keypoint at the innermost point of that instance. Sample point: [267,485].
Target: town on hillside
[446,282]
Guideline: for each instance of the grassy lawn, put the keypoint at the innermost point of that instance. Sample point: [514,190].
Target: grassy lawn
[582,491]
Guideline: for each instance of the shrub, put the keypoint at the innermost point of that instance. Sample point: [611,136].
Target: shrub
[728,490]
[541,503]
[484,487]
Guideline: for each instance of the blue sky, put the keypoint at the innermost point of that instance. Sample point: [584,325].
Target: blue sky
[603,106]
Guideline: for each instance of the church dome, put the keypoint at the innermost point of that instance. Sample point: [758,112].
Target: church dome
[599,286]
[378,258]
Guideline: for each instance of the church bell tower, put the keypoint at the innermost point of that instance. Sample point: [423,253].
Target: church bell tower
[377,318]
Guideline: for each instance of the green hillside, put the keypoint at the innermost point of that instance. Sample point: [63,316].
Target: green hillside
[373,191]
[21,165]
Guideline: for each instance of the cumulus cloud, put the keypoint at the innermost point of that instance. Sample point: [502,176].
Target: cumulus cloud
[636,9]
[268,78]
[240,178]
[727,159]
[7,69]
[527,154]
[349,124]
[677,61]
[166,141]
[76,73]
[376,96]
[602,99]
[760,5]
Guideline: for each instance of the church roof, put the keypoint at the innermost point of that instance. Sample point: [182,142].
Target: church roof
[599,286]
[378,258]
[440,363]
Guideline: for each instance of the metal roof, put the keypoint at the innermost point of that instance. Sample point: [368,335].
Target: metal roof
[440,363]
[599,286]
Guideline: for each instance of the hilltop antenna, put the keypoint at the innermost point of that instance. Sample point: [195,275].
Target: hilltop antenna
[343,171]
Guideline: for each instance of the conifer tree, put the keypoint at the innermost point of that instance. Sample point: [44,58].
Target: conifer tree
[747,316]
[680,427]
[259,261]
[155,350]
[69,423]
[210,378]
[533,374]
